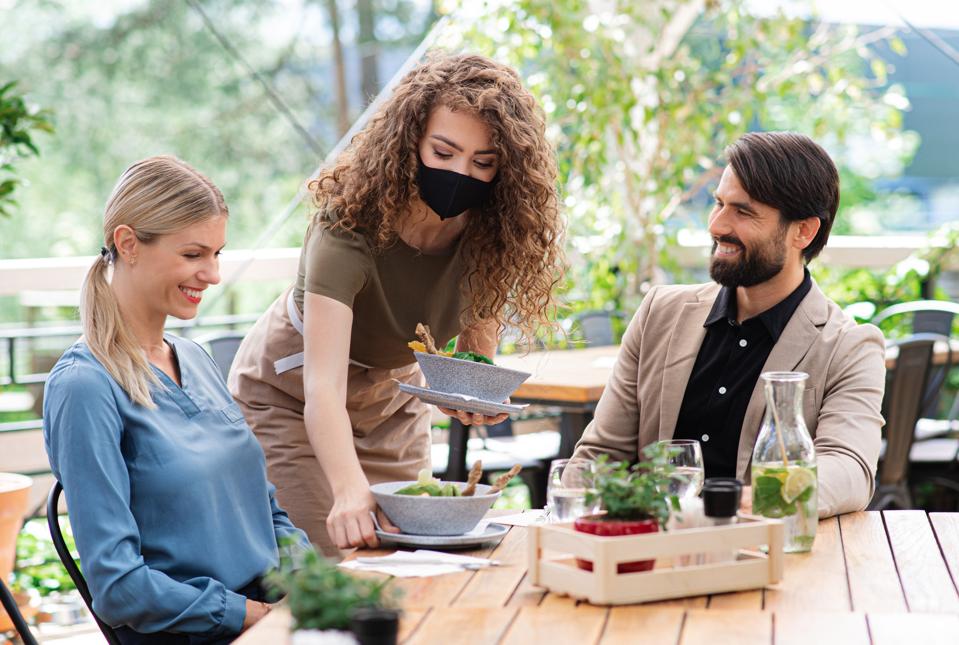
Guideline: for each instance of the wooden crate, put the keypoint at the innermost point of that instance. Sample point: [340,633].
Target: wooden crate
[553,549]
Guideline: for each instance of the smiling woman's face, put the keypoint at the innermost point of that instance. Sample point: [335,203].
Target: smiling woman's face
[172,272]
[459,142]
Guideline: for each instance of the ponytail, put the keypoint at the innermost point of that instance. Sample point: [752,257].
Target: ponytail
[110,339]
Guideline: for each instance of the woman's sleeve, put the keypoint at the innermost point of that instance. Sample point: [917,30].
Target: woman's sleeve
[337,264]
[83,430]
[293,539]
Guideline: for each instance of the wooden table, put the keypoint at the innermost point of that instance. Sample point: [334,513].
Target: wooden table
[574,380]
[874,578]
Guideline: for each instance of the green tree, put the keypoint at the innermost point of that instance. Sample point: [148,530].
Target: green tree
[642,98]
[18,121]
[150,77]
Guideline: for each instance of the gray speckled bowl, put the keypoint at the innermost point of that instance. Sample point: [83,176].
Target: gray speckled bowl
[433,515]
[454,375]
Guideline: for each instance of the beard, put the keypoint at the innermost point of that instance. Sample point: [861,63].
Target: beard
[754,266]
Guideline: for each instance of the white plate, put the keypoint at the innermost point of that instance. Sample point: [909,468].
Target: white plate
[460,401]
[492,532]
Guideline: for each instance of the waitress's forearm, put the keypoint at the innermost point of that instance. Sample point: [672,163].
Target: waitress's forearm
[480,338]
[331,436]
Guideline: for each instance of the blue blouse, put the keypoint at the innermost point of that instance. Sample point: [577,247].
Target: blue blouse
[170,508]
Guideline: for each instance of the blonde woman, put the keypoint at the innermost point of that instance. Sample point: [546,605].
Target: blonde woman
[173,516]
[443,211]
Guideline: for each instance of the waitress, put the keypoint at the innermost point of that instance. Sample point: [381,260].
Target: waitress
[443,211]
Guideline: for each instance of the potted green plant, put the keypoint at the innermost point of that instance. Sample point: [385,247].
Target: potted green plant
[322,597]
[635,500]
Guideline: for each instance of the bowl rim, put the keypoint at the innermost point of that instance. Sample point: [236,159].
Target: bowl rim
[414,481]
[482,365]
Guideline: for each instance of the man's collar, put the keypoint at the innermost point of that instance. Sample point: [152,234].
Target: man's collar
[773,319]
[724,307]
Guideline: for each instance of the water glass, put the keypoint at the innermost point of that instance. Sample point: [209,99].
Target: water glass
[566,489]
[686,456]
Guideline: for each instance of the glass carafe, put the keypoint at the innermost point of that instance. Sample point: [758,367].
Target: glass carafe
[784,478]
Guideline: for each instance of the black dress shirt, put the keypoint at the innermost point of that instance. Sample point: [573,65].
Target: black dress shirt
[727,367]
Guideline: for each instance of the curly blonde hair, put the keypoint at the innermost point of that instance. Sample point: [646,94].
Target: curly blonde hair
[513,249]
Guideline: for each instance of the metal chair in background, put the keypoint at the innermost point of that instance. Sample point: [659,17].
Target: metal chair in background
[53,507]
[19,622]
[596,328]
[928,317]
[222,346]
[906,396]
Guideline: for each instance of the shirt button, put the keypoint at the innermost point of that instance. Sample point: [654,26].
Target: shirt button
[742,342]
[722,390]
[705,438]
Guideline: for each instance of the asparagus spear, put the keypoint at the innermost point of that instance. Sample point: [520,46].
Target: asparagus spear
[502,480]
[476,473]
[423,333]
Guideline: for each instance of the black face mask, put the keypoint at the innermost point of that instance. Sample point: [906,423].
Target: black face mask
[449,193]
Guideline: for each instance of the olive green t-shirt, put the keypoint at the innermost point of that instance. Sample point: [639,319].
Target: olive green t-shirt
[389,292]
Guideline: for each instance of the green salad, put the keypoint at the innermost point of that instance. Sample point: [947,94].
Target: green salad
[473,356]
[428,485]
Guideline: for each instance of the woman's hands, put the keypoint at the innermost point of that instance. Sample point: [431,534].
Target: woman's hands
[472,418]
[349,522]
[255,611]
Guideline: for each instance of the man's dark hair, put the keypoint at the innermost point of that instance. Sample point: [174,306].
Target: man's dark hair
[791,173]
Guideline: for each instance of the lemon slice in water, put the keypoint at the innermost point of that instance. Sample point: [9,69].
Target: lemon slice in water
[798,480]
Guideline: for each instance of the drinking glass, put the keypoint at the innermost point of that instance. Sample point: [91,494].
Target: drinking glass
[566,489]
[686,455]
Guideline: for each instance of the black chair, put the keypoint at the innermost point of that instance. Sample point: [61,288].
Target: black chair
[905,398]
[53,505]
[596,328]
[222,347]
[10,605]
[927,317]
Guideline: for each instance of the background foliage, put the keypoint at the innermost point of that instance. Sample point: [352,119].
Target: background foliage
[124,79]
[642,98]
[17,121]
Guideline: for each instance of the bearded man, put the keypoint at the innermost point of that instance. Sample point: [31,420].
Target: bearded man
[691,358]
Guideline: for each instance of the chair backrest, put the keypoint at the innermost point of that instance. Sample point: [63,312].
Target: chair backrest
[927,317]
[903,402]
[222,347]
[10,605]
[596,327]
[53,502]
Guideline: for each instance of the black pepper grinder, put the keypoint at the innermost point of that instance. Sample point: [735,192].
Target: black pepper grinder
[375,626]
[721,499]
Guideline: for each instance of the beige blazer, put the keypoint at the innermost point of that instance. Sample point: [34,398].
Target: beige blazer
[841,403]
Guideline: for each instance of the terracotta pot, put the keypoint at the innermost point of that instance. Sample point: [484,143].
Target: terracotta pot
[599,525]
[14,496]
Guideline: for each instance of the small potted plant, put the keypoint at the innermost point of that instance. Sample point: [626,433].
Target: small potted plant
[635,499]
[326,602]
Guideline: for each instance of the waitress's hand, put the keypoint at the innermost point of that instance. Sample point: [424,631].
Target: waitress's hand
[349,523]
[474,419]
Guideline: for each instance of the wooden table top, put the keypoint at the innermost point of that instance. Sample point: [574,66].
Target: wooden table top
[876,578]
[564,375]
[580,375]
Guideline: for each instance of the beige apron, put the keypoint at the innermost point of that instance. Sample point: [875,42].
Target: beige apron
[391,429]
